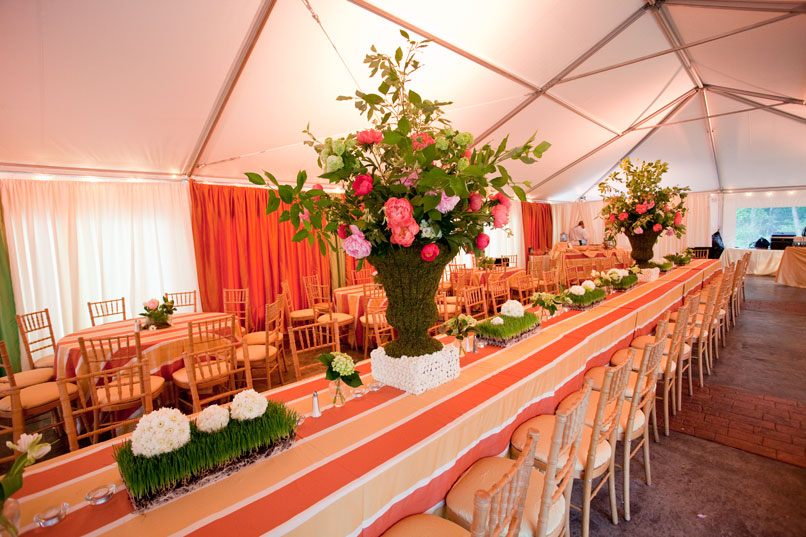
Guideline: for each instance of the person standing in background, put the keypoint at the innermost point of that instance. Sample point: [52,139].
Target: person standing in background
[579,233]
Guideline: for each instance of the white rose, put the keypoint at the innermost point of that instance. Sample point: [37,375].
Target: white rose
[577,290]
[497,321]
[161,431]
[212,419]
[512,308]
[589,285]
[248,405]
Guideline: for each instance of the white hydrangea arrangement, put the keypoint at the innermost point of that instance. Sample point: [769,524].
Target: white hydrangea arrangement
[588,285]
[512,308]
[577,290]
[341,368]
[212,419]
[248,405]
[497,321]
[343,364]
[160,431]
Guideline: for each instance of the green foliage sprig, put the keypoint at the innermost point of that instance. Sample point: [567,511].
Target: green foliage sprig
[145,476]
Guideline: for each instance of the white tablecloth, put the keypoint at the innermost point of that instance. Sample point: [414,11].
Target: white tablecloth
[762,262]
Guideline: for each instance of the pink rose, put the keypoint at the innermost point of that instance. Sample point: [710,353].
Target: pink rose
[404,235]
[398,212]
[317,187]
[421,140]
[429,252]
[500,216]
[641,208]
[638,231]
[476,202]
[503,200]
[650,204]
[657,227]
[305,216]
[342,231]
[152,304]
[447,203]
[482,241]
[623,216]
[363,185]
[612,218]
[667,207]
[356,245]
[410,180]
[670,232]
[678,218]
[467,154]
[370,136]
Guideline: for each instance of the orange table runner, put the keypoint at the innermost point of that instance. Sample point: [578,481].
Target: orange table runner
[359,468]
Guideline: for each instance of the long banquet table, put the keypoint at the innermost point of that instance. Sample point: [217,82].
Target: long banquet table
[359,468]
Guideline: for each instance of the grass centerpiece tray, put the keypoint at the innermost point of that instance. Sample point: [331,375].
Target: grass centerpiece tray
[663,267]
[511,326]
[408,193]
[617,279]
[681,259]
[169,455]
[583,297]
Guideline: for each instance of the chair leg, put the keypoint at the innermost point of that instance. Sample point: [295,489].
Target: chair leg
[647,470]
[586,508]
[654,413]
[700,351]
[626,471]
[690,375]
[567,494]
[666,408]
[611,485]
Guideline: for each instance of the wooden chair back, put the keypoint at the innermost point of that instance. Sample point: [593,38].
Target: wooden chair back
[700,253]
[474,300]
[317,336]
[678,339]
[362,276]
[499,510]
[37,334]
[509,260]
[116,383]
[373,295]
[319,298]
[210,334]
[549,281]
[605,424]
[236,302]
[644,391]
[183,299]
[107,308]
[576,274]
[383,331]
[499,293]
[8,388]
[712,293]
[220,376]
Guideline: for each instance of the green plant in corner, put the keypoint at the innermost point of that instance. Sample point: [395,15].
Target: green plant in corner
[31,448]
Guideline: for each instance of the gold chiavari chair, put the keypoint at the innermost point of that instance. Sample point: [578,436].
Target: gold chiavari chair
[509,260]
[116,384]
[293,315]
[383,331]
[37,339]
[236,302]
[360,277]
[183,299]
[576,274]
[10,400]
[481,507]
[700,253]
[373,300]
[107,308]
[549,281]
[498,293]
[474,300]
[320,299]
[318,337]
[266,350]
[523,285]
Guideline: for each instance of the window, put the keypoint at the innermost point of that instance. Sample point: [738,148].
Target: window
[753,223]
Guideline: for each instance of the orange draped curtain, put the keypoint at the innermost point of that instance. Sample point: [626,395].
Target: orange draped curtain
[537,226]
[239,246]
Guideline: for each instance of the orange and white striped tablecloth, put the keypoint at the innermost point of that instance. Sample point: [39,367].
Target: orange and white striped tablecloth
[163,348]
[359,468]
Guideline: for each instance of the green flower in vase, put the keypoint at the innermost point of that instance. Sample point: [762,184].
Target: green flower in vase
[340,368]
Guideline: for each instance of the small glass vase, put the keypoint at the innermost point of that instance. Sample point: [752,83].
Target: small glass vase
[11,512]
[337,393]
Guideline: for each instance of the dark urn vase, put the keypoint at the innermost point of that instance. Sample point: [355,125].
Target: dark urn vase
[642,246]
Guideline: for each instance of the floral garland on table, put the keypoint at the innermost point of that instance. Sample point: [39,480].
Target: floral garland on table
[158,315]
[636,205]
[31,448]
[416,191]
[340,368]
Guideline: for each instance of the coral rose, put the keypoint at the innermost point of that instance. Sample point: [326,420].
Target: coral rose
[342,231]
[657,227]
[678,218]
[503,200]
[500,216]
[612,218]
[398,212]
[363,185]
[404,235]
[421,140]
[370,136]
[475,202]
[623,216]
[429,252]
[482,241]
[641,208]
[151,304]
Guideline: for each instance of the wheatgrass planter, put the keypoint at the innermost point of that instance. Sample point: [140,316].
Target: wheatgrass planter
[509,341]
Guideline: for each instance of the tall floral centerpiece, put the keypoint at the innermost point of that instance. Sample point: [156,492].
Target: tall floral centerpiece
[636,205]
[416,191]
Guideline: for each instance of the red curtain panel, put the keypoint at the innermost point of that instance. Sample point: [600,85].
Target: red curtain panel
[239,246]
[537,226]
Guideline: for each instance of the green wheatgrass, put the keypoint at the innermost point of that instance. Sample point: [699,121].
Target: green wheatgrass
[588,298]
[626,282]
[512,326]
[205,451]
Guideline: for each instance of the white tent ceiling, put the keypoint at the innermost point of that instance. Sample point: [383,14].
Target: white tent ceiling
[212,89]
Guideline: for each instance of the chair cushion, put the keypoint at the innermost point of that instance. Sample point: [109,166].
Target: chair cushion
[624,417]
[340,318]
[126,393]
[452,299]
[481,476]
[598,374]
[426,526]
[370,320]
[545,425]
[642,341]
[450,308]
[23,379]
[257,353]
[45,361]
[259,338]
[37,395]
[180,376]
[301,315]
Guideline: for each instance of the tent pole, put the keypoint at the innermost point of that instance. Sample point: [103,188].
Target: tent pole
[509,115]
[679,101]
[579,112]
[748,93]
[711,139]
[751,102]
[722,114]
[671,114]
[682,47]
[738,5]
[248,45]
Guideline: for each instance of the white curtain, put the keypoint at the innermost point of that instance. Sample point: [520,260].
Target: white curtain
[73,242]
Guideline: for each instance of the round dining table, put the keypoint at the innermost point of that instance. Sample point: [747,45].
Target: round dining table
[163,348]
